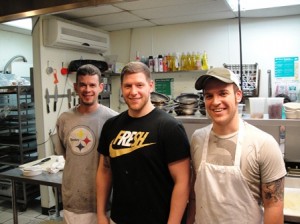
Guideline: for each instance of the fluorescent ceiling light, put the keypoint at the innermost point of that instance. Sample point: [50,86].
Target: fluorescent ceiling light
[260,4]
[21,23]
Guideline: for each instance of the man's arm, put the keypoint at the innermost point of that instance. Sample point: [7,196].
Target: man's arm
[191,212]
[58,142]
[273,197]
[104,179]
[180,172]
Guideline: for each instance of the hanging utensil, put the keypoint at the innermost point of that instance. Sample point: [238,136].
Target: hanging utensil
[55,97]
[55,76]
[63,70]
[269,83]
[74,98]
[47,100]
[49,69]
[69,97]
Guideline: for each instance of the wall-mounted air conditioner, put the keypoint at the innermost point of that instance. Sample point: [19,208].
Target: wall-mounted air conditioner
[61,34]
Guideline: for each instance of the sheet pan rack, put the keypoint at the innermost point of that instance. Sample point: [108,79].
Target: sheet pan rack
[249,79]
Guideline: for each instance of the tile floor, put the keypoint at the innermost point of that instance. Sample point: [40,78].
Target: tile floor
[32,215]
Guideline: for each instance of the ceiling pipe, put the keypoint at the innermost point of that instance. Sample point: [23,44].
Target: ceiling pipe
[240,43]
[11,60]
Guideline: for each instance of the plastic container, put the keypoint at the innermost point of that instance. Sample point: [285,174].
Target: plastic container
[241,108]
[275,107]
[257,107]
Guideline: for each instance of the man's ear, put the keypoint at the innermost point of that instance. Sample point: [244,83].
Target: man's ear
[101,86]
[239,96]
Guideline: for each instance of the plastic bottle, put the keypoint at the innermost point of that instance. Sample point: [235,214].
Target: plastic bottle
[155,65]
[178,56]
[170,62]
[198,64]
[137,56]
[143,59]
[151,63]
[193,61]
[188,61]
[160,63]
[183,62]
[175,62]
[165,63]
[204,61]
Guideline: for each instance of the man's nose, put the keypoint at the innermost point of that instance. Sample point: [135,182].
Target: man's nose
[216,100]
[133,90]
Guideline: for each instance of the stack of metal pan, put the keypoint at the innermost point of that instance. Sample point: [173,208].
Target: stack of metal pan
[161,101]
[188,104]
[201,103]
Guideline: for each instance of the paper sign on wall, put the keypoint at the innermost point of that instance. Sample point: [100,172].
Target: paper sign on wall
[287,67]
[164,86]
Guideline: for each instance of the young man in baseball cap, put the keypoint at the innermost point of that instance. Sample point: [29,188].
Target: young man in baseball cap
[238,168]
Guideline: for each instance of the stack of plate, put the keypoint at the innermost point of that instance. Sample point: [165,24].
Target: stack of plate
[292,110]
[32,170]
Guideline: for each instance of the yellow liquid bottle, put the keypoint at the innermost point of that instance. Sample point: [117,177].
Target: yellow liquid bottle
[204,61]
[183,62]
[198,65]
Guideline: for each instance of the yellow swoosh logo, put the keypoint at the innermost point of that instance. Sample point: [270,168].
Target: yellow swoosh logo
[119,152]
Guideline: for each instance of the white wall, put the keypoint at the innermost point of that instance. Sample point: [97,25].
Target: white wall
[263,39]
[14,43]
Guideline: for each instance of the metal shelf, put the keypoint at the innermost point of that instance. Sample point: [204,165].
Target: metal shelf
[17,137]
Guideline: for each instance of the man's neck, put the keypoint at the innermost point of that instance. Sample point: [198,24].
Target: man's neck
[226,129]
[87,109]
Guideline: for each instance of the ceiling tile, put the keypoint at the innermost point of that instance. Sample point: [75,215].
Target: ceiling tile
[187,9]
[192,18]
[145,13]
[109,19]
[146,4]
[121,26]
[91,11]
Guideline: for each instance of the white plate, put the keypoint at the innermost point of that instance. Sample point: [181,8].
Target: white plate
[32,171]
[292,106]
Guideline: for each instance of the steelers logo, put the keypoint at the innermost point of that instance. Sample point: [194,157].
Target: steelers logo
[81,140]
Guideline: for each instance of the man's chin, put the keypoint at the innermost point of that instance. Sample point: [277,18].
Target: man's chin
[87,103]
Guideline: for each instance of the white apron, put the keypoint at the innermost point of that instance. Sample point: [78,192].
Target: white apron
[222,194]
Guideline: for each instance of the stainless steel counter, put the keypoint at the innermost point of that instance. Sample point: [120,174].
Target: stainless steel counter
[201,119]
[272,126]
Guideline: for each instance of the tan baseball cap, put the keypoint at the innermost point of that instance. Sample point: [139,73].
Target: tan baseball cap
[223,74]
